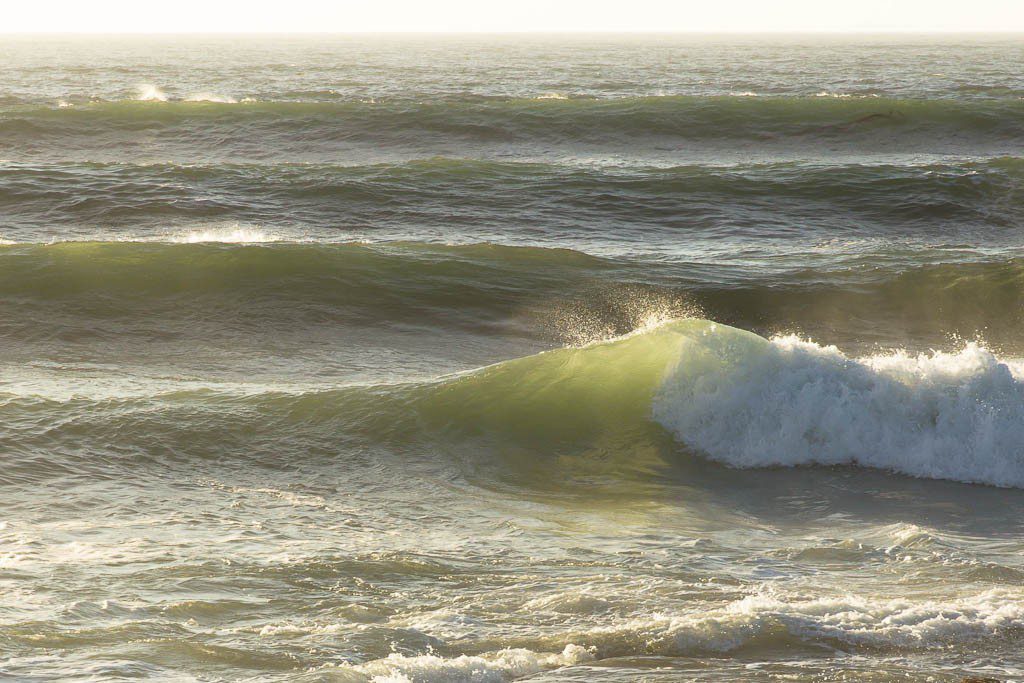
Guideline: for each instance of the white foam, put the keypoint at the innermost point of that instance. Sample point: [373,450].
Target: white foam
[910,536]
[780,616]
[292,629]
[229,235]
[844,95]
[211,97]
[854,621]
[147,92]
[495,666]
[749,402]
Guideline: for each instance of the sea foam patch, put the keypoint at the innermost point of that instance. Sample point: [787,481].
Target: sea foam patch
[495,667]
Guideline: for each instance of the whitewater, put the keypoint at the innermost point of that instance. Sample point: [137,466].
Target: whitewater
[944,415]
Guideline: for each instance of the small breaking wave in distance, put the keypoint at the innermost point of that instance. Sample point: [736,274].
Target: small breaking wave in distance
[225,235]
[147,92]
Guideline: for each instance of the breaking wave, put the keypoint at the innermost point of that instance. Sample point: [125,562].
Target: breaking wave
[751,402]
[721,392]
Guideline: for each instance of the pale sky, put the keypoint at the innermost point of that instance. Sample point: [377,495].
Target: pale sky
[150,16]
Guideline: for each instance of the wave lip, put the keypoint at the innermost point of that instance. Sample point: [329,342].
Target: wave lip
[211,97]
[751,402]
[237,234]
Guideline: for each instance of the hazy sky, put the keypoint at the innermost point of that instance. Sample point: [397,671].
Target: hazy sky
[510,15]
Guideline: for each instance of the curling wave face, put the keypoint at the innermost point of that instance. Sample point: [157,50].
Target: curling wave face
[750,402]
[724,393]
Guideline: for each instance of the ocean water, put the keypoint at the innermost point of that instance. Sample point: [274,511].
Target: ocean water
[553,358]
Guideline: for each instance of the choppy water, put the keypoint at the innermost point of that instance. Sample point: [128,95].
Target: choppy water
[561,358]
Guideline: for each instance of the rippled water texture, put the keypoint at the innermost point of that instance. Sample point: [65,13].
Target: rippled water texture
[417,359]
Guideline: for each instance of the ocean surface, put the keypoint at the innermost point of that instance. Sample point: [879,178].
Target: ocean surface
[552,358]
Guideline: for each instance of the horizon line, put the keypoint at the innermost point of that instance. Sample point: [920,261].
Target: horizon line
[610,32]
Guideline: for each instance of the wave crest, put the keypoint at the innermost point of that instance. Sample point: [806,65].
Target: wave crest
[147,92]
[751,402]
[620,409]
[224,235]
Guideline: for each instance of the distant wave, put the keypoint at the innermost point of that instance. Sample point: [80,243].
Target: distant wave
[558,294]
[762,118]
[210,97]
[651,199]
[148,92]
[236,234]
[151,93]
